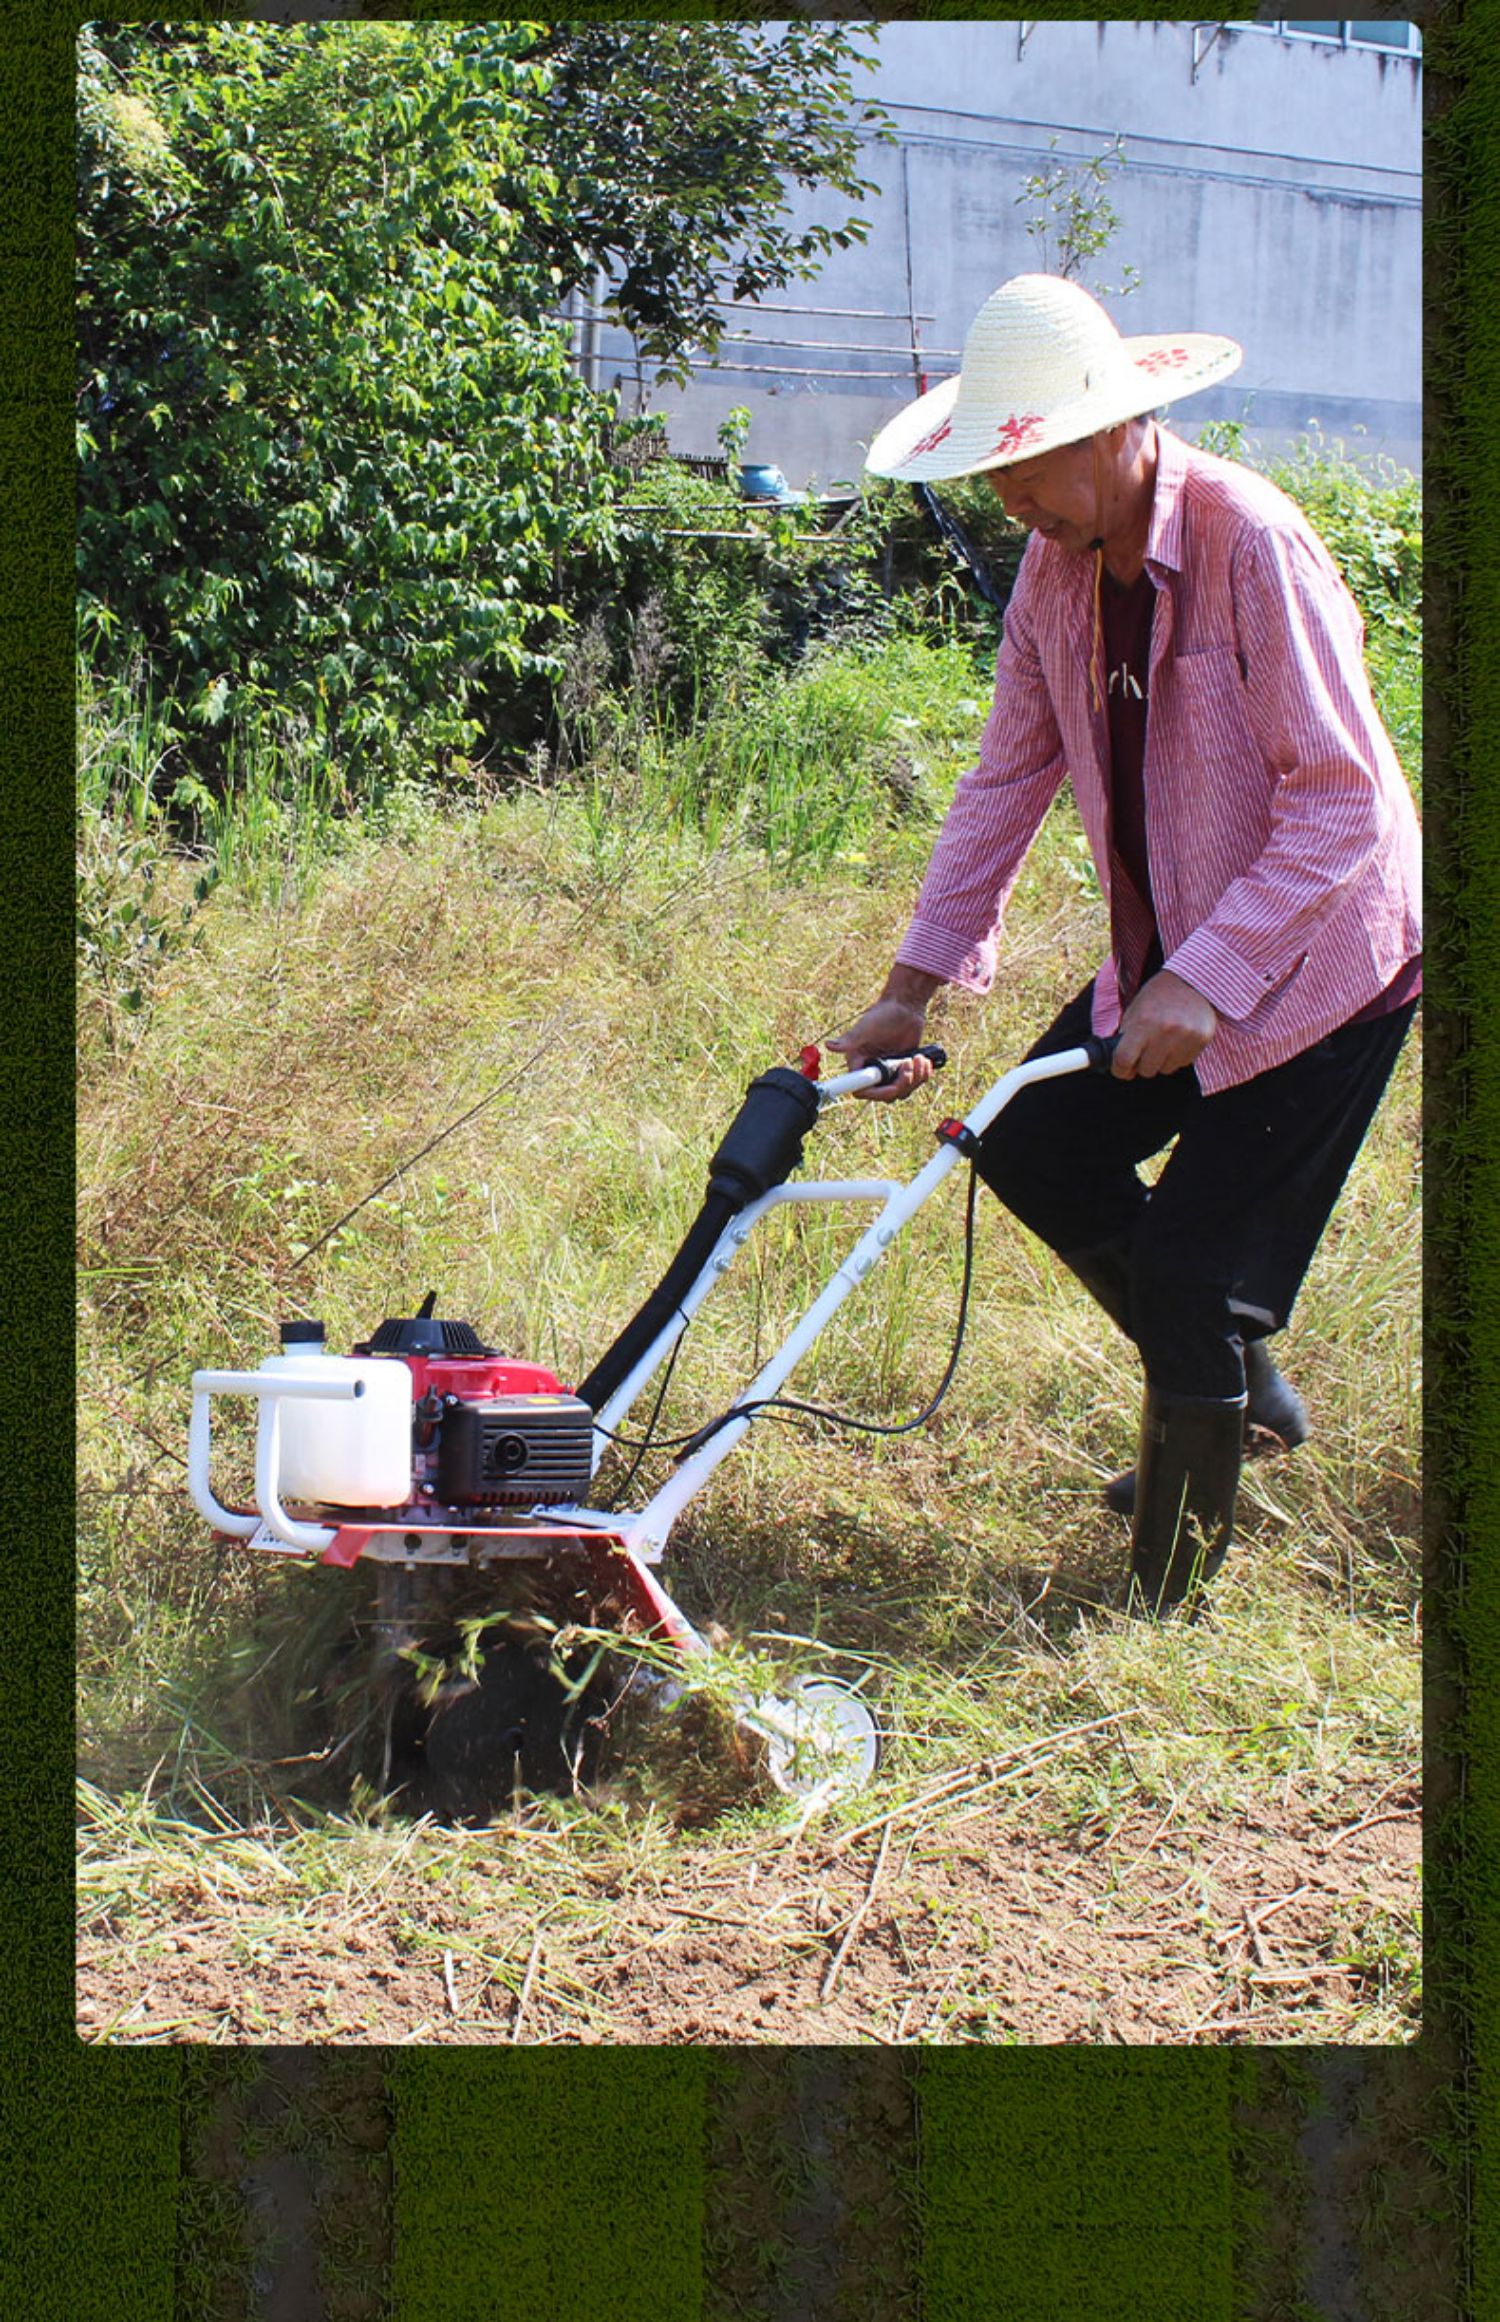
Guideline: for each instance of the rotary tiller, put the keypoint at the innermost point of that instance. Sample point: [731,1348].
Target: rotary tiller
[425,1451]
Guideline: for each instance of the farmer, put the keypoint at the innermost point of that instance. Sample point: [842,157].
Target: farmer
[1179,646]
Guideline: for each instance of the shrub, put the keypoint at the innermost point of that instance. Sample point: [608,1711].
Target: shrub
[330,438]
[700,596]
[1368,516]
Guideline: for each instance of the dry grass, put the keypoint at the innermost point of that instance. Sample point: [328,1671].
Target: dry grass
[611,1011]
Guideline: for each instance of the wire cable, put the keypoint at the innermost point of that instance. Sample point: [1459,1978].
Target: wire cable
[642,1444]
[686,1445]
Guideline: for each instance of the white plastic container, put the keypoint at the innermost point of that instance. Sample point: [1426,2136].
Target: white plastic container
[349,1455]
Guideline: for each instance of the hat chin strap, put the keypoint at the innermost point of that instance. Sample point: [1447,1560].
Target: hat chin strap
[1096,545]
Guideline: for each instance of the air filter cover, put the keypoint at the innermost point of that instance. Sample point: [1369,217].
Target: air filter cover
[516,1451]
[426,1334]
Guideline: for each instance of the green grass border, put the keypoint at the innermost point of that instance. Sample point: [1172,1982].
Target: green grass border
[91,2186]
[1463,1104]
[88,2203]
[45,2226]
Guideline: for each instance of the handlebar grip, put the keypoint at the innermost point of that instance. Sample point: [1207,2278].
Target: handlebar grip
[886,1065]
[1101,1052]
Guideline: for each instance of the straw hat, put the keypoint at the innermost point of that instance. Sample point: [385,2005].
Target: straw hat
[1043,365]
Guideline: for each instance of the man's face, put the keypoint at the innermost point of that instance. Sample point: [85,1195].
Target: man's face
[1053,494]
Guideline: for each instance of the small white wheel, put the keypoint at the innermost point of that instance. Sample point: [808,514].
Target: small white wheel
[819,1736]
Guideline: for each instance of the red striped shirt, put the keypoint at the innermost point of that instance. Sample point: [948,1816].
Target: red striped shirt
[1285,853]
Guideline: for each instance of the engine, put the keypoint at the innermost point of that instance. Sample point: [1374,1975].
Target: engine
[487,1431]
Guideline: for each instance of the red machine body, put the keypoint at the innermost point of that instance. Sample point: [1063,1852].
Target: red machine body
[473,1378]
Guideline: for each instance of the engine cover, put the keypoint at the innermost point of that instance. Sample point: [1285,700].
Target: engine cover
[512,1451]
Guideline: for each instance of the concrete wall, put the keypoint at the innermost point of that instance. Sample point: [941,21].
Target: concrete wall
[1275,195]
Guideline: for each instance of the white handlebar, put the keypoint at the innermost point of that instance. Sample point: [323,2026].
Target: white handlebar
[262,1384]
[868,1076]
[879,1073]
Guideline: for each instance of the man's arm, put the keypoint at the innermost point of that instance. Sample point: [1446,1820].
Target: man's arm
[996,812]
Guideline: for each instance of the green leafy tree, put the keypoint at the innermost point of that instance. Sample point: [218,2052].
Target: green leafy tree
[674,147]
[334,460]
[1072,218]
[330,443]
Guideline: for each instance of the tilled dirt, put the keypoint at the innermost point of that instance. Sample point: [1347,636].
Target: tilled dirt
[984,1926]
[1331,2259]
[1353,2184]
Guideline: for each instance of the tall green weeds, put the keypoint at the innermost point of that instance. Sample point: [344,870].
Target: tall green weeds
[811,769]
[839,756]
[1368,513]
[133,916]
[277,814]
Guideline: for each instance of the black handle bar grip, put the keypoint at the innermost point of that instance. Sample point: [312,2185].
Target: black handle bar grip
[936,1057]
[1101,1052]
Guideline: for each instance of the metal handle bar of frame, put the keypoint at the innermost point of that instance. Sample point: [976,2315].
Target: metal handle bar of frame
[265,1386]
[720,1259]
[1095,1055]
[647,1532]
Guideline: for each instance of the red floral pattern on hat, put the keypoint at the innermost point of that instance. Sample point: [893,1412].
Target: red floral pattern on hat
[929,443]
[1017,433]
[1163,359]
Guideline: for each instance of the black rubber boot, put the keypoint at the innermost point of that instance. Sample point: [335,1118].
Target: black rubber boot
[1271,1404]
[1187,1476]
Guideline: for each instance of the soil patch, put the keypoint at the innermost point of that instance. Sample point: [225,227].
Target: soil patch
[287,2218]
[261,2124]
[1351,2184]
[1331,2268]
[1267,1929]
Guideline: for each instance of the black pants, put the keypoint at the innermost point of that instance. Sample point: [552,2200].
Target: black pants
[1218,1249]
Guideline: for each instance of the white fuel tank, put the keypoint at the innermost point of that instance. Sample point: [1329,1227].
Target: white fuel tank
[347,1455]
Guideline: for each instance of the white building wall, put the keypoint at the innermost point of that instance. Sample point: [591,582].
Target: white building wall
[1272,193]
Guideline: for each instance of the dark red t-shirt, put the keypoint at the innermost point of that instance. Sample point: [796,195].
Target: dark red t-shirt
[1126,611]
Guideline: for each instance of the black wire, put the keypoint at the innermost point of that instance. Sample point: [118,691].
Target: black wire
[642,1444]
[842,1419]
[684,1445]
